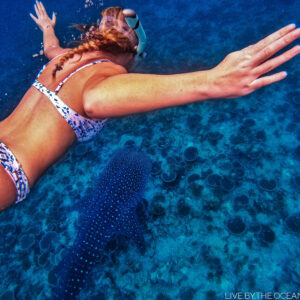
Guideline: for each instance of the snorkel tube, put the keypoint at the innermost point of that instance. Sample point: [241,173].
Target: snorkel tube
[134,23]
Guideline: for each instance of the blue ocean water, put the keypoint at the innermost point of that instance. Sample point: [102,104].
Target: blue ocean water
[221,207]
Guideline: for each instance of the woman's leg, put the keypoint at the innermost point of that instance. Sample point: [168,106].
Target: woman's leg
[8,192]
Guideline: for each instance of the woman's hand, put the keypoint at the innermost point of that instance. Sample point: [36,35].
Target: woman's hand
[239,73]
[42,20]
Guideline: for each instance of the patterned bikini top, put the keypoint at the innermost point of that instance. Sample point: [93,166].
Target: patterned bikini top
[84,128]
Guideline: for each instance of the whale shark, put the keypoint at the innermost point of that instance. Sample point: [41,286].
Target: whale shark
[108,211]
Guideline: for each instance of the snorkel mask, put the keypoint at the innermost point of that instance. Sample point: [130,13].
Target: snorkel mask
[134,23]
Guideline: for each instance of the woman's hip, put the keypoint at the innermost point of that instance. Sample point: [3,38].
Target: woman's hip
[14,183]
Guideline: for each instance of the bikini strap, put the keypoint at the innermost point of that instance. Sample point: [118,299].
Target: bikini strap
[92,63]
[62,83]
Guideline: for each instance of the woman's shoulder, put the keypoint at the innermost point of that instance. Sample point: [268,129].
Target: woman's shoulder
[105,70]
[110,68]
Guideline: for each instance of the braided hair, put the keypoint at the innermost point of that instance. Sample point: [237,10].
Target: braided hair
[107,38]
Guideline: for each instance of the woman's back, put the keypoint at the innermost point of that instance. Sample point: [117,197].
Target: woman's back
[36,132]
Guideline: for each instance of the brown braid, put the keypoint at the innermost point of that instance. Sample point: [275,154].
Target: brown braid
[109,40]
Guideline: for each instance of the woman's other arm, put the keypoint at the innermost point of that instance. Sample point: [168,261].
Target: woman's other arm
[237,75]
[51,42]
[125,94]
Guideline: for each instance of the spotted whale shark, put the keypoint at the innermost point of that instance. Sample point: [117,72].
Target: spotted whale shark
[108,211]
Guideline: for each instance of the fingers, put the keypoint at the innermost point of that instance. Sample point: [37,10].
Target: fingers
[272,38]
[277,61]
[273,48]
[33,17]
[36,10]
[266,80]
[42,8]
[54,18]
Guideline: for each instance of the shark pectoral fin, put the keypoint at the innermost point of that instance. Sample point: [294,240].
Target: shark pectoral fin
[132,229]
[138,238]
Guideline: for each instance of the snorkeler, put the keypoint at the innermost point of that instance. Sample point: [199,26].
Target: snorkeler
[79,89]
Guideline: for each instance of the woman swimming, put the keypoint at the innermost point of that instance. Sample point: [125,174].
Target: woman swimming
[80,88]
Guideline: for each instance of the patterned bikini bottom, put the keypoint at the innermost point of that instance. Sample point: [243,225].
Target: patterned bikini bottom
[14,170]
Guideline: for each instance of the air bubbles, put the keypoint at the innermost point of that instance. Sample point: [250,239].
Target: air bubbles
[88,3]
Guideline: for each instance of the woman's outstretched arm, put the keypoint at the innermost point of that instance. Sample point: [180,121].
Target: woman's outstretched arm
[239,74]
[51,42]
